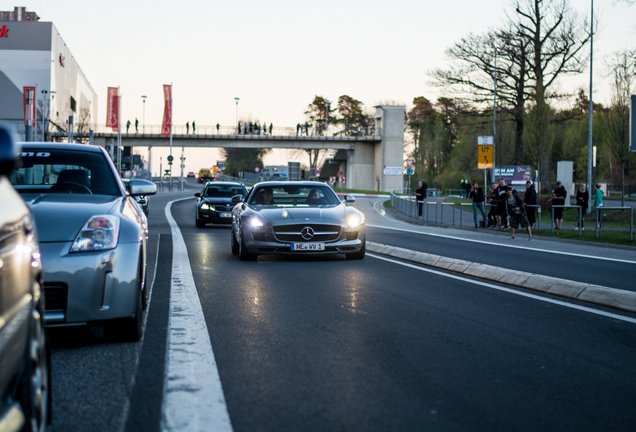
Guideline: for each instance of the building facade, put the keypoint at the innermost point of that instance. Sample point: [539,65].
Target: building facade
[32,53]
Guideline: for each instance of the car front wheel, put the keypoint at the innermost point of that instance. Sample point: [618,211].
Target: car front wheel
[360,254]
[35,396]
[234,243]
[244,254]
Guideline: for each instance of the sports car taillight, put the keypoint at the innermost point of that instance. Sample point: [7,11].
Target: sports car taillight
[99,233]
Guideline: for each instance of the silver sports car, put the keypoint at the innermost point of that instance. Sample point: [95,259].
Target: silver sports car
[296,218]
[92,236]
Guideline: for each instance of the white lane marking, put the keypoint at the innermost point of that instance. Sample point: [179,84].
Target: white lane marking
[525,248]
[193,397]
[508,290]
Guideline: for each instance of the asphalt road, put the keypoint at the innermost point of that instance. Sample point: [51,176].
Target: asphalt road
[327,344]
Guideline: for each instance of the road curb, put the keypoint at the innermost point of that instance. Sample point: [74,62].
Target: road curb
[589,293]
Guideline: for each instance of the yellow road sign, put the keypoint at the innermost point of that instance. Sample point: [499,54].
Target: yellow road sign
[484,157]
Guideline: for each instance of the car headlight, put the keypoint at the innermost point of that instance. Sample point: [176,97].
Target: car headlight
[99,233]
[206,206]
[353,221]
[254,222]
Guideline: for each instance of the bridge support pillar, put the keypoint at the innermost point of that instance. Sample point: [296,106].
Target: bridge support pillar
[365,165]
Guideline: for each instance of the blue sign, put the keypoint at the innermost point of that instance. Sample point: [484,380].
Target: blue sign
[409,171]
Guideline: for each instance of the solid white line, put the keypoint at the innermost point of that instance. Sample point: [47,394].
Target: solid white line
[193,397]
[525,248]
[508,290]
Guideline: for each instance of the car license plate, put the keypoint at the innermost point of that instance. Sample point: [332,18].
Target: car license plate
[308,246]
[226,215]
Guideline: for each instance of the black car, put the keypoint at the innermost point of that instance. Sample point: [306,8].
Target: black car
[25,374]
[214,202]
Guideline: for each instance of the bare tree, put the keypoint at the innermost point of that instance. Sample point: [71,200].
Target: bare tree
[623,72]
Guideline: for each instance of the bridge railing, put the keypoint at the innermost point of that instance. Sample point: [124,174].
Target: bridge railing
[212,130]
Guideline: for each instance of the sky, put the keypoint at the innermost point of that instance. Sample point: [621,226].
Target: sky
[277,55]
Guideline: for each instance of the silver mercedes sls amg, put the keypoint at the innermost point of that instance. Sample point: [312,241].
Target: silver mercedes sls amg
[92,236]
[294,217]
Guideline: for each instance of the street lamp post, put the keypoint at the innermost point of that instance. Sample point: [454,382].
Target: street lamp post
[589,126]
[144,118]
[327,102]
[44,93]
[494,115]
[238,128]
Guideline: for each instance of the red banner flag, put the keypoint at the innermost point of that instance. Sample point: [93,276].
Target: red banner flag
[112,110]
[166,125]
[27,115]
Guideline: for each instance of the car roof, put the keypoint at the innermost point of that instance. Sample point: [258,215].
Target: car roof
[224,183]
[288,183]
[63,146]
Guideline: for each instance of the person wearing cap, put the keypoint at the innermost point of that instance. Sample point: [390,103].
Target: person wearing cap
[558,198]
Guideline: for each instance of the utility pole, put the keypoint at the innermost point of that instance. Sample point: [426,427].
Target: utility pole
[589,127]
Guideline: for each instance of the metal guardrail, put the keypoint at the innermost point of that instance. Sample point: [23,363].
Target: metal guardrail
[429,204]
[442,211]
[461,192]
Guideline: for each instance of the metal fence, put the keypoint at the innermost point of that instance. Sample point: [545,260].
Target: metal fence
[604,208]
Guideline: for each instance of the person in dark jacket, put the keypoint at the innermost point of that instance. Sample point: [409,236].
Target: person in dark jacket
[492,216]
[530,198]
[582,199]
[477,195]
[516,210]
[559,199]
[420,196]
[500,202]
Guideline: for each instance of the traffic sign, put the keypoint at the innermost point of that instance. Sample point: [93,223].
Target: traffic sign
[257,169]
[484,157]
[339,173]
[342,180]
[409,162]
[409,171]
[332,180]
[484,140]
[170,158]
[317,172]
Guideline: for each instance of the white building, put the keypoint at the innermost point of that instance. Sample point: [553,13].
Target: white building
[32,53]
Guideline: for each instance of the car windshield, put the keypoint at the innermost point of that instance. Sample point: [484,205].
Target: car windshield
[224,191]
[292,196]
[47,170]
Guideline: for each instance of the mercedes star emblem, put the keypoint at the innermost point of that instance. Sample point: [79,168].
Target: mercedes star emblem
[307,233]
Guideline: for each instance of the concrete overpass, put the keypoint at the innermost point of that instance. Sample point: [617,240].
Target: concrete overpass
[367,154]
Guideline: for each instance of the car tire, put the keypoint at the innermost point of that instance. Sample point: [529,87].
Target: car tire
[127,329]
[358,255]
[234,243]
[35,389]
[243,253]
[199,223]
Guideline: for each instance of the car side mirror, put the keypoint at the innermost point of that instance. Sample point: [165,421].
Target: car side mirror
[198,194]
[9,152]
[237,199]
[141,187]
[350,199]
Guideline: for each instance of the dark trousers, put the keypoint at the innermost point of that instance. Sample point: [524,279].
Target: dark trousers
[531,215]
[420,204]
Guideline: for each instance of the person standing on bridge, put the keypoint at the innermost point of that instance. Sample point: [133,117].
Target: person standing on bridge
[136,125]
[297,128]
[270,129]
[187,128]
[307,128]
[127,126]
[194,127]
[218,126]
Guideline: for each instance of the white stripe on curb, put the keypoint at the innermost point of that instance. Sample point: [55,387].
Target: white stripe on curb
[193,396]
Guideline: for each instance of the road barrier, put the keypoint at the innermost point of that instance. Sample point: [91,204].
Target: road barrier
[461,214]
[442,211]
[461,192]
[430,204]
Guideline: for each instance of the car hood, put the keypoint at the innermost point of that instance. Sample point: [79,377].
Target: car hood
[60,217]
[218,201]
[286,215]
